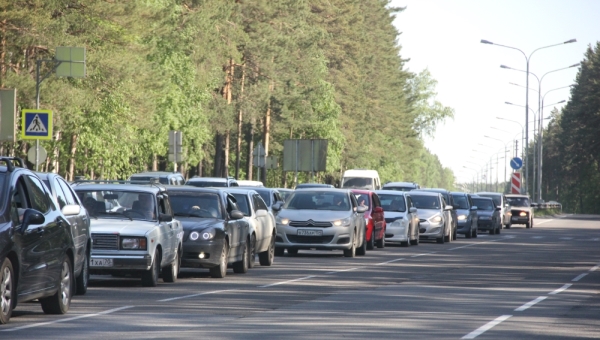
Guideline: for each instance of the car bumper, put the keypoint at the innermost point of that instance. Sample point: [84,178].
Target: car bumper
[127,262]
[396,234]
[201,254]
[463,227]
[519,219]
[485,224]
[428,231]
[333,238]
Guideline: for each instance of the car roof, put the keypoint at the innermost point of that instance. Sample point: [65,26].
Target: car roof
[238,190]
[313,185]
[459,193]
[489,193]
[189,188]
[440,190]
[517,195]
[406,184]
[212,179]
[482,198]
[321,189]
[94,186]
[361,191]
[425,193]
[156,173]
[393,192]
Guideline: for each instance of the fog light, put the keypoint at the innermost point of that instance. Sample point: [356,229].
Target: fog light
[201,255]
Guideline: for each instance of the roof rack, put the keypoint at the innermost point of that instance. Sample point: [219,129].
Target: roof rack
[12,162]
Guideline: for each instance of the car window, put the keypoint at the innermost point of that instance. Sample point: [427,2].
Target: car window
[60,195]
[518,201]
[205,184]
[483,204]
[70,197]
[318,200]
[231,204]
[18,202]
[243,203]
[40,199]
[393,202]
[259,203]
[363,200]
[461,201]
[266,196]
[192,204]
[426,202]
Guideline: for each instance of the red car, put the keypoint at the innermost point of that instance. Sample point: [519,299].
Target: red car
[374,219]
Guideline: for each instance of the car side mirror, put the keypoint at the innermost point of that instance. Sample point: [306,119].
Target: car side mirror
[361,209]
[165,218]
[474,207]
[277,206]
[412,210]
[498,208]
[71,210]
[236,215]
[261,213]
[31,216]
[378,210]
[448,207]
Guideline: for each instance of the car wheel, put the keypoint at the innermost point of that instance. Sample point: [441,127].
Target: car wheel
[241,267]
[362,250]
[527,226]
[441,240]
[352,251]
[83,278]
[150,276]
[7,291]
[252,256]
[292,252]
[499,229]
[170,272]
[475,233]
[266,257]
[279,251]
[448,237]
[508,226]
[454,235]
[381,243]
[59,302]
[371,244]
[469,234]
[219,271]
[415,242]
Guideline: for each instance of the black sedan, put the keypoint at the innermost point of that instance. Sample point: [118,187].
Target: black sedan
[488,215]
[215,232]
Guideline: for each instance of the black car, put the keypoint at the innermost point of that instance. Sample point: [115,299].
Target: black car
[80,226]
[36,247]
[488,215]
[466,212]
[215,231]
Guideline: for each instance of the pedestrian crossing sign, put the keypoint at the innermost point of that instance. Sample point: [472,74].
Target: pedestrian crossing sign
[36,124]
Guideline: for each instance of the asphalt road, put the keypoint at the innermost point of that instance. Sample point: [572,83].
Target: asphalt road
[540,283]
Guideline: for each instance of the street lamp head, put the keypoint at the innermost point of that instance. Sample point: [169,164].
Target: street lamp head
[570,41]
[486,42]
[575,65]
[560,102]
[504,66]
[509,103]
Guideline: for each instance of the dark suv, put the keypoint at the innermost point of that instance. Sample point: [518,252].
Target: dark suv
[164,177]
[36,246]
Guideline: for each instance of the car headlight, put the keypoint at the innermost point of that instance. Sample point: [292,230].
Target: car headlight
[522,213]
[399,223]
[436,219]
[343,222]
[133,243]
[462,217]
[204,235]
[284,221]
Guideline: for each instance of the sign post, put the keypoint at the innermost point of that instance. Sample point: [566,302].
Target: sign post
[258,157]
[515,183]
[175,148]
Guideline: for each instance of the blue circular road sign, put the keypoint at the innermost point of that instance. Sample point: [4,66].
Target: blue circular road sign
[516,163]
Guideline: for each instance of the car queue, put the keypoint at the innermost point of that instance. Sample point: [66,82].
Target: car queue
[149,228]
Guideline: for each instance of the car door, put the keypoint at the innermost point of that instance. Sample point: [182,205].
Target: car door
[413,218]
[266,223]
[359,220]
[79,223]
[234,228]
[377,215]
[472,212]
[169,231]
[447,216]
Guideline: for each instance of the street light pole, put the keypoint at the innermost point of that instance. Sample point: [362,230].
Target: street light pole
[527,58]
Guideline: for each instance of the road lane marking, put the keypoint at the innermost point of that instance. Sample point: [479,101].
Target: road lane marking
[580,277]
[596,239]
[194,295]
[433,252]
[566,238]
[289,281]
[538,236]
[594,268]
[468,245]
[538,223]
[342,270]
[561,289]
[390,261]
[68,319]
[487,327]
[531,303]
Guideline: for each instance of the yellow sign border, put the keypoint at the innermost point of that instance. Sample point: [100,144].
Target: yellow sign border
[24,128]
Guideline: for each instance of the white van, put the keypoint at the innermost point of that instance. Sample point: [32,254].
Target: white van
[361,179]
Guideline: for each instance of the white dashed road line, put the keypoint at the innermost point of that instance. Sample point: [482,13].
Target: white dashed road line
[194,295]
[66,320]
[561,289]
[531,303]
[486,327]
[289,281]
[579,277]
[341,271]
[542,222]
[594,268]
[390,261]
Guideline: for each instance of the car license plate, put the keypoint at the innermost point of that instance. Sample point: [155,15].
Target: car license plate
[101,262]
[308,232]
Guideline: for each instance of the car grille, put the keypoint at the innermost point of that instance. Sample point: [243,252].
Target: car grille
[310,224]
[105,241]
[310,239]
[422,220]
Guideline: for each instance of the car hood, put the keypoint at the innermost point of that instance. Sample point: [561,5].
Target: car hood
[528,209]
[462,211]
[111,226]
[191,223]
[427,213]
[316,215]
[485,212]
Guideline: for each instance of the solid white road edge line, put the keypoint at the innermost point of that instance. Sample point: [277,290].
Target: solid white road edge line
[66,320]
[530,303]
[194,295]
[486,327]
[546,221]
[284,282]
[563,288]
[594,268]
[579,277]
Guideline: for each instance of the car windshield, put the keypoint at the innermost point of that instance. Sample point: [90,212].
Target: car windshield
[425,202]
[363,200]
[483,204]
[495,198]
[392,202]
[318,200]
[243,203]
[285,194]
[518,201]
[205,184]
[358,182]
[119,204]
[146,179]
[266,196]
[192,204]
[462,201]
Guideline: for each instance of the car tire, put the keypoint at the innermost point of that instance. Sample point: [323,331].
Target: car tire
[61,300]
[469,234]
[527,225]
[381,243]
[454,234]
[362,250]
[219,271]
[252,256]
[84,277]
[352,251]
[8,291]
[415,242]
[292,252]
[279,251]
[508,226]
[499,229]
[442,239]
[170,272]
[371,243]
[241,267]
[475,232]
[150,276]
[267,257]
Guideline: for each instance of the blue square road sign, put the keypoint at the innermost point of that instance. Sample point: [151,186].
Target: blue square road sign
[36,124]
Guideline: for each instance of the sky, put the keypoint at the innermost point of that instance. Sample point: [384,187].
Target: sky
[444,37]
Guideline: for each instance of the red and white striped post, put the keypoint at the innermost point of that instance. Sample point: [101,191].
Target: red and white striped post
[515,183]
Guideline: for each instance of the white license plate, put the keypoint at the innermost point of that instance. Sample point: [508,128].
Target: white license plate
[101,262]
[308,232]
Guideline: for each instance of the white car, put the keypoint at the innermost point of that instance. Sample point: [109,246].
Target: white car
[401,217]
[262,225]
[140,237]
